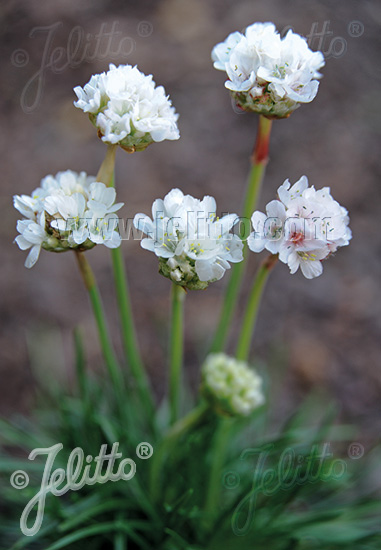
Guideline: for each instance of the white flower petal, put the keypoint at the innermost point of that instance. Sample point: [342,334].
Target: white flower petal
[143,223]
[207,271]
[113,241]
[311,269]
[148,244]
[255,242]
[33,256]
[22,242]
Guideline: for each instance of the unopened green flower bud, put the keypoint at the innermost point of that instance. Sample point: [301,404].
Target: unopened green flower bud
[230,385]
[182,272]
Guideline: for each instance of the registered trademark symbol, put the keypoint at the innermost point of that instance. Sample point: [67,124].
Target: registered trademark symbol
[144,450]
[145,29]
[356,29]
[356,451]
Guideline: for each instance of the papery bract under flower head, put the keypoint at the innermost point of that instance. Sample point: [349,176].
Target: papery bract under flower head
[230,385]
[193,245]
[127,108]
[268,74]
[304,227]
[68,211]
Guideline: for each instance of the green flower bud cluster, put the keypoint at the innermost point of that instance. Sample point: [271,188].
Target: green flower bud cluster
[230,385]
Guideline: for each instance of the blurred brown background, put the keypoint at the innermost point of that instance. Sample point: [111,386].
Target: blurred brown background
[324,332]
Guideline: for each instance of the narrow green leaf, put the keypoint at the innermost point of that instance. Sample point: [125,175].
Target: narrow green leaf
[90,513]
[81,534]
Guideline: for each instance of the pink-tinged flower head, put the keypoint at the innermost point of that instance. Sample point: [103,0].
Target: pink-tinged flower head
[303,227]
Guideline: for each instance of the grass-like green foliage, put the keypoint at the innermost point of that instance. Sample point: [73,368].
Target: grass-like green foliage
[325,512]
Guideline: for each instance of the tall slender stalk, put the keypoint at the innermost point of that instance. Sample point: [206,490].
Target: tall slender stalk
[259,160]
[128,331]
[219,446]
[107,168]
[80,367]
[106,175]
[251,313]
[104,337]
[176,350]
[191,420]
[243,349]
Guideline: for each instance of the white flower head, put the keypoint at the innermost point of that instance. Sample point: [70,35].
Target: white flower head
[230,385]
[68,211]
[127,108]
[304,227]
[268,74]
[193,245]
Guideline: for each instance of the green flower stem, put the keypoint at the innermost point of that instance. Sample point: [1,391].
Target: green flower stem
[104,337]
[80,366]
[259,161]
[176,350]
[106,175]
[128,331]
[251,313]
[82,378]
[106,170]
[182,426]
[220,443]
[228,306]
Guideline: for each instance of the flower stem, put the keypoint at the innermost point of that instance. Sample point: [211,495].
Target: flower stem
[259,160]
[116,376]
[80,364]
[228,306]
[248,324]
[192,419]
[219,447]
[106,171]
[106,176]
[104,337]
[128,331]
[176,350]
